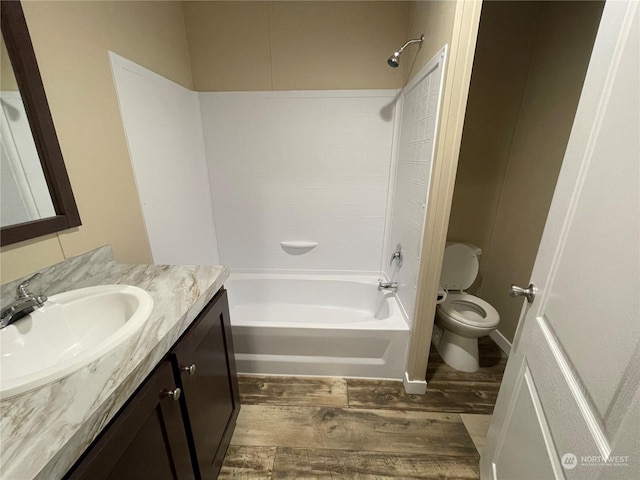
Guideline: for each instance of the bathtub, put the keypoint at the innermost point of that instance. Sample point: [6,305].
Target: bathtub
[335,325]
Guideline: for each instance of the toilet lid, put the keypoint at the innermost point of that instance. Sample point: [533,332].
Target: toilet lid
[470,310]
[459,267]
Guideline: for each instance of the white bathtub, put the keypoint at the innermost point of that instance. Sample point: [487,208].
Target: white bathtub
[316,325]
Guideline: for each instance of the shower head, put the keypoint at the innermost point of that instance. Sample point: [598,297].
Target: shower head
[394,60]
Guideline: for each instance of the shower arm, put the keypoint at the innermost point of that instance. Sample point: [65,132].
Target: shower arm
[415,40]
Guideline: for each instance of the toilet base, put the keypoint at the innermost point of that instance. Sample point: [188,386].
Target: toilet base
[459,352]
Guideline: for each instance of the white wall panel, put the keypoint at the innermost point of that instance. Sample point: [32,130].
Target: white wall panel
[163,126]
[418,120]
[299,166]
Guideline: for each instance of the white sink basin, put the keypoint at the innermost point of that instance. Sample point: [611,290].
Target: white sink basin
[70,331]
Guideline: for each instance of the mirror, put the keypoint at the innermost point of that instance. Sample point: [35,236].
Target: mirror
[24,194]
[35,191]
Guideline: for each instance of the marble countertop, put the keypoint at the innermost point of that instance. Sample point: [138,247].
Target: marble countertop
[43,432]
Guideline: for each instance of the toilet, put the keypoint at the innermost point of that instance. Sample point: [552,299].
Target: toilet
[463,318]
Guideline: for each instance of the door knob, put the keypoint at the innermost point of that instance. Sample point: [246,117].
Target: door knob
[172,394]
[529,292]
[191,369]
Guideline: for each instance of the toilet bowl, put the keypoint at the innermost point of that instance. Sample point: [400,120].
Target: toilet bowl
[463,317]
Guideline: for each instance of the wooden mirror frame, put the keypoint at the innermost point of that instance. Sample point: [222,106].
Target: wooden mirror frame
[25,67]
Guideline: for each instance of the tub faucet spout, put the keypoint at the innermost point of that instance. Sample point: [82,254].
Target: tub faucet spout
[387,285]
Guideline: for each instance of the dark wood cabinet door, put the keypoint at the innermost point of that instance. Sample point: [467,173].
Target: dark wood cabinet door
[204,361]
[146,440]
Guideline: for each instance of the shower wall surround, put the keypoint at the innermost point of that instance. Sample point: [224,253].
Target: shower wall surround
[300,166]
[163,127]
[418,128]
[310,166]
[225,177]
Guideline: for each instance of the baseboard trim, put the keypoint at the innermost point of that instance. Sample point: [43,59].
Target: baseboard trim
[503,343]
[414,387]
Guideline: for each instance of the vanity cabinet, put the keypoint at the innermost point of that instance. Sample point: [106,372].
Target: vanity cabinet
[146,439]
[179,423]
[204,366]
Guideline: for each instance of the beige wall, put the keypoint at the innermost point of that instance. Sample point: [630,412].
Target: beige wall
[434,20]
[295,45]
[557,64]
[71,41]
[501,65]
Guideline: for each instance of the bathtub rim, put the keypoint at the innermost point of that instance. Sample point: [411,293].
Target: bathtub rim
[322,275]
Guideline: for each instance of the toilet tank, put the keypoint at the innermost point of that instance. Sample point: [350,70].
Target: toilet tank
[460,266]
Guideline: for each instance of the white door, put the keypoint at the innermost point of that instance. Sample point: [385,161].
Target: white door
[569,405]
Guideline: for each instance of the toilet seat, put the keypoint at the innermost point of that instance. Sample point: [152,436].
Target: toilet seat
[462,318]
[470,310]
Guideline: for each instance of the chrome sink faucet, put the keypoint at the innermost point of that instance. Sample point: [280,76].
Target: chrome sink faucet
[387,285]
[26,302]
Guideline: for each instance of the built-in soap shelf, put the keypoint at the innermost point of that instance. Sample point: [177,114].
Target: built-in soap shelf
[298,247]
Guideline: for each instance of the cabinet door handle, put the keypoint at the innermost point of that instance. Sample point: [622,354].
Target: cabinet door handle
[191,369]
[172,394]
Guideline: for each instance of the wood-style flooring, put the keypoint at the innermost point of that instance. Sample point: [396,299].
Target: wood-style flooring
[317,428]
